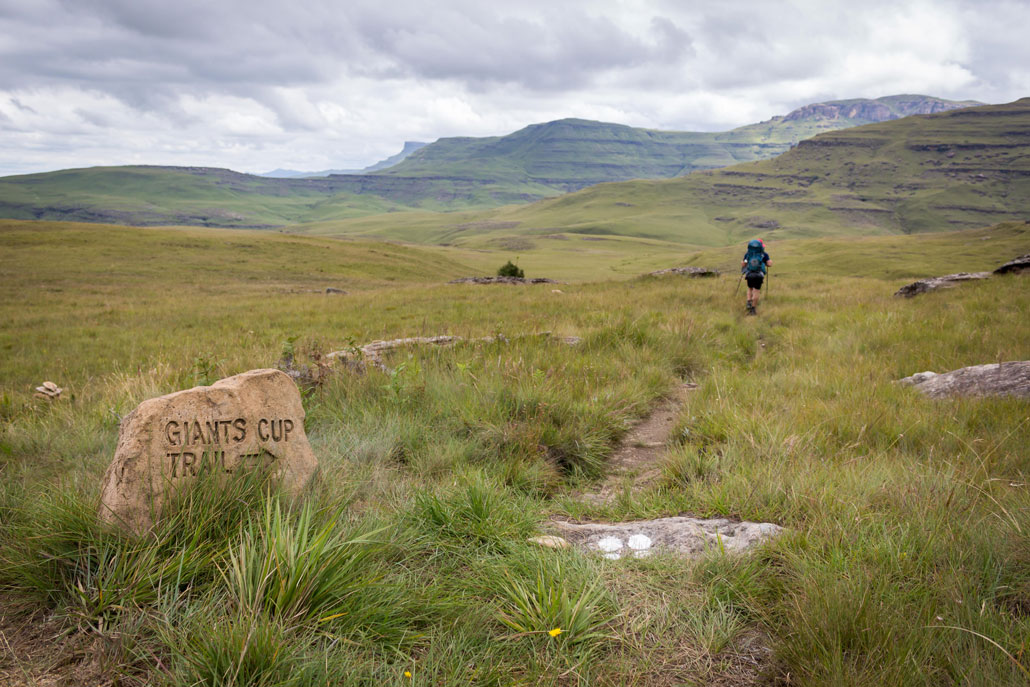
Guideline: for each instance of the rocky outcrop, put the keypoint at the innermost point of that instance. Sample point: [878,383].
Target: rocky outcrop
[1016,266]
[994,379]
[686,271]
[681,535]
[371,354]
[934,283]
[502,280]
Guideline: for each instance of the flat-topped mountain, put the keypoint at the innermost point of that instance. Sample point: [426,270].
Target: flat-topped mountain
[571,154]
[957,169]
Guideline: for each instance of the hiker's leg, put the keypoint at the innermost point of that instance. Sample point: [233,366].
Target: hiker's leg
[754,296]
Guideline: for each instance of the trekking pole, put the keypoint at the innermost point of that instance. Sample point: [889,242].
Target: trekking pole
[768,286]
[736,290]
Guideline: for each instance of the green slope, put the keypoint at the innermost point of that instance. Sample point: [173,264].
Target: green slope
[957,169]
[571,154]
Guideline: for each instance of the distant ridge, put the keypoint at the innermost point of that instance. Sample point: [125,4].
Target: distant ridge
[571,154]
[409,148]
[958,169]
[537,162]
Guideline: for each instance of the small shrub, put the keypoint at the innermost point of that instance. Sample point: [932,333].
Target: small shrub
[480,513]
[688,464]
[251,650]
[510,269]
[555,606]
[297,570]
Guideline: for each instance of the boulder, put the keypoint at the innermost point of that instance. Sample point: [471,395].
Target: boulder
[502,280]
[251,421]
[681,535]
[934,283]
[1016,266]
[994,379]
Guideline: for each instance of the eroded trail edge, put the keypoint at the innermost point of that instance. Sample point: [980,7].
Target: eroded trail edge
[637,462]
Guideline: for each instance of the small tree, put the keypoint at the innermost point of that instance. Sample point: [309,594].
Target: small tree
[510,269]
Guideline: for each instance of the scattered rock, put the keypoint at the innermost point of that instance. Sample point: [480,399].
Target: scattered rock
[994,379]
[307,376]
[371,353]
[557,291]
[1016,266]
[250,421]
[49,391]
[550,541]
[333,289]
[687,271]
[682,535]
[502,280]
[934,283]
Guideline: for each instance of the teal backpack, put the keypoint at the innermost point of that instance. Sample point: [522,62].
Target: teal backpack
[754,262]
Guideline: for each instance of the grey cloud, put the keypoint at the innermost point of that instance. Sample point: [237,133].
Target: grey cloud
[558,49]
[257,78]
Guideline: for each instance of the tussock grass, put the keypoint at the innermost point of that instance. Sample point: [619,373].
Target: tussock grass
[905,561]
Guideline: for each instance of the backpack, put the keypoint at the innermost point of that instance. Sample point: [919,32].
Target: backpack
[754,259]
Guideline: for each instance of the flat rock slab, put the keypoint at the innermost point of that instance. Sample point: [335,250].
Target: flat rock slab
[934,283]
[681,535]
[1016,266]
[502,280]
[251,421]
[994,379]
[687,272]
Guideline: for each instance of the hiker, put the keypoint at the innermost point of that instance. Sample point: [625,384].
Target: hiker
[753,267]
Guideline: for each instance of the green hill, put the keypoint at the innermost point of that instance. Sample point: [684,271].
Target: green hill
[540,161]
[952,170]
[571,154]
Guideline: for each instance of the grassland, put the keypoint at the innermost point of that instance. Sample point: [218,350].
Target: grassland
[905,562]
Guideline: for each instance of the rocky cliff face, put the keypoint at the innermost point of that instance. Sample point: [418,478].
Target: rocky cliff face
[878,110]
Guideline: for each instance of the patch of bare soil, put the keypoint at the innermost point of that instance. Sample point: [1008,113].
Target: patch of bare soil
[39,650]
[637,460]
[31,650]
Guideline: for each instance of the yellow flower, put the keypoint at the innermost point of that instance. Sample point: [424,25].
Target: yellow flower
[407,673]
[555,632]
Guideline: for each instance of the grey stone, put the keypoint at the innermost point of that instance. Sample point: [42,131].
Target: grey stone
[1015,266]
[994,379]
[687,271]
[334,290]
[549,541]
[250,421]
[934,283]
[680,535]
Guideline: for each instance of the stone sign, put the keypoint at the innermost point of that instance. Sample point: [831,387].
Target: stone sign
[250,421]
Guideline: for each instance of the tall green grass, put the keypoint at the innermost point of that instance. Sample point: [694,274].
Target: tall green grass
[905,558]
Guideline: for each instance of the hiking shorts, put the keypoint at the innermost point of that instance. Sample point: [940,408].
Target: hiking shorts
[754,281]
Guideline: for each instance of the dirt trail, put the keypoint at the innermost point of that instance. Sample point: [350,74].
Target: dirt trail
[636,461]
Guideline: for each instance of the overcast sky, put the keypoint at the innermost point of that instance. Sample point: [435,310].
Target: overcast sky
[314,84]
